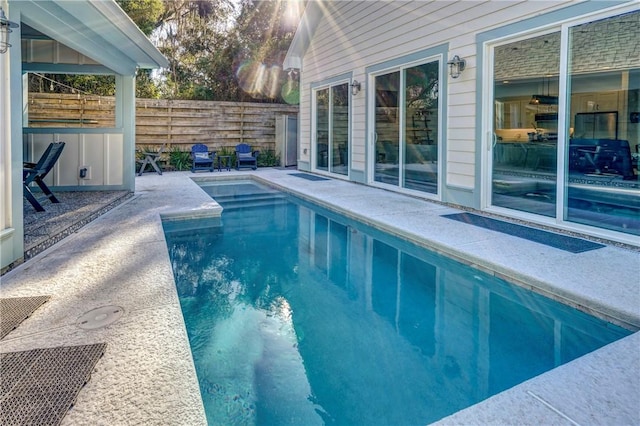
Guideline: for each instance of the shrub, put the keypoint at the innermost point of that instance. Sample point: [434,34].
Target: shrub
[268,158]
[180,160]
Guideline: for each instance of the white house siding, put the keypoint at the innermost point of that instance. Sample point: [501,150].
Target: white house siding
[355,35]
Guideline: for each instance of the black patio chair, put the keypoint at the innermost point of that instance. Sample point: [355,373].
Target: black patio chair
[36,172]
[151,158]
[245,157]
[202,158]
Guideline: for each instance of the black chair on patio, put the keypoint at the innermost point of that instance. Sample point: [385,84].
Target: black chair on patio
[245,157]
[202,158]
[151,158]
[36,172]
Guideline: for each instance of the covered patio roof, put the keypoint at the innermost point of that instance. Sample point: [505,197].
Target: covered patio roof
[99,30]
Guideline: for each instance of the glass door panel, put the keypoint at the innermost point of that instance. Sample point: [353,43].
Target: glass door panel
[525,128]
[387,129]
[322,129]
[339,151]
[602,187]
[421,128]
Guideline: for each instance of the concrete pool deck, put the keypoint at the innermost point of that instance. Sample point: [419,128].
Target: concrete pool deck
[147,376]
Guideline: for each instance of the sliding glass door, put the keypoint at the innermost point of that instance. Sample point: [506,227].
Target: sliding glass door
[387,129]
[566,130]
[525,125]
[602,187]
[406,127]
[332,129]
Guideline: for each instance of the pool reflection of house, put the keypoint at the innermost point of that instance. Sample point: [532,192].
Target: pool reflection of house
[537,121]
[64,37]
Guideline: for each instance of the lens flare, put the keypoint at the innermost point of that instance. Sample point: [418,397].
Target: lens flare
[261,81]
[290,92]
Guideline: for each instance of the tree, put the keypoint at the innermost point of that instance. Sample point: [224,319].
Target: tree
[264,31]
[146,15]
[192,35]
[217,50]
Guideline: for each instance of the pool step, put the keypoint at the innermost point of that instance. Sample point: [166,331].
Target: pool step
[250,201]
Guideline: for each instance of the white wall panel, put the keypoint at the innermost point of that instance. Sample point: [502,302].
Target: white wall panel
[101,153]
[91,157]
[113,164]
[65,171]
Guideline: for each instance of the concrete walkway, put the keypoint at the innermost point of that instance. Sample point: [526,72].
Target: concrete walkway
[147,374]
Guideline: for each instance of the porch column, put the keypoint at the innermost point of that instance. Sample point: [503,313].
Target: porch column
[126,120]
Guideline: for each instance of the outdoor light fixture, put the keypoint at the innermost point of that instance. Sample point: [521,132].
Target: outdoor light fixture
[5,29]
[456,66]
[355,87]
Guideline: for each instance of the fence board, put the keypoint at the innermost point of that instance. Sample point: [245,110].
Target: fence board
[181,123]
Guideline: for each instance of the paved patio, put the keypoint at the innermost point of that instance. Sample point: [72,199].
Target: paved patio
[147,376]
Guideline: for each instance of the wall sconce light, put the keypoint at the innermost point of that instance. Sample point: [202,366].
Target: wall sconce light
[5,29]
[355,87]
[456,66]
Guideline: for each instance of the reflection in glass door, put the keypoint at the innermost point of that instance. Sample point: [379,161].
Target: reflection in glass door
[322,129]
[598,183]
[407,155]
[332,129]
[387,129]
[339,147]
[602,187]
[420,171]
[525,125]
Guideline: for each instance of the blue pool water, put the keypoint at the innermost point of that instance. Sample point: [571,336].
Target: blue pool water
[297,315]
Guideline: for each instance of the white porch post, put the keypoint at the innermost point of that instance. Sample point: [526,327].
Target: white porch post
[11,232]
[126,120]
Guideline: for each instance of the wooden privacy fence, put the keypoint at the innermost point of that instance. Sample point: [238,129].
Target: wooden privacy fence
[176,122]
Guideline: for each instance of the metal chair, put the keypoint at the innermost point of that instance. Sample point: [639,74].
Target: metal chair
[36,172]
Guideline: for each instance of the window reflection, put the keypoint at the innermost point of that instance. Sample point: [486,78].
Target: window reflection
[332,129]
[421,128]
[602,154]
[470,327]
[387,129]
[526,124]
[407,155]
[601,138]
[322,129]
[340,129]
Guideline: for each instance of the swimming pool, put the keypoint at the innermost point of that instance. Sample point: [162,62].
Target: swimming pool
[297,315]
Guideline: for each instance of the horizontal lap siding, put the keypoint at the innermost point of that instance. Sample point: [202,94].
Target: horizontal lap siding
[361,34]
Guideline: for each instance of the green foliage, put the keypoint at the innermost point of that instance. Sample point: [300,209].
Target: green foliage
[179,159]
[101,85]
[145,13]
[268,158]
[224,50]
[227,50]
[226,151]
